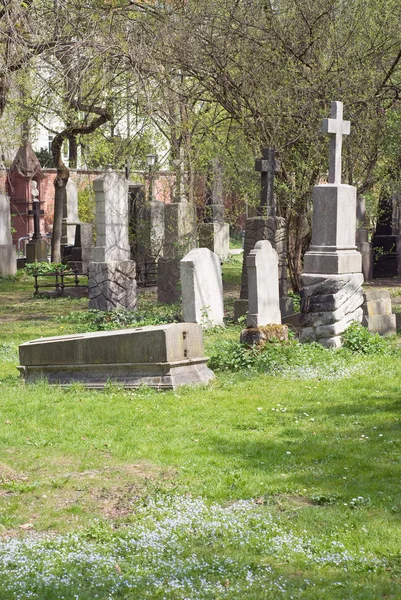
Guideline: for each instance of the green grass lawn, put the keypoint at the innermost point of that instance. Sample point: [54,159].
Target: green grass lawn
[276,484]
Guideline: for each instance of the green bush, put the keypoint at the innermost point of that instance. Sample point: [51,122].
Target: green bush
[43,268]
[358,339]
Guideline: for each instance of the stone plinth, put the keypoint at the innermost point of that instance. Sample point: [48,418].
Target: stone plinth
[329,304]
[263,290]
[36,251]
[202,288]
[216,237]
[163,357]
[333,248]
[112,285]
[377,313]
[111,193]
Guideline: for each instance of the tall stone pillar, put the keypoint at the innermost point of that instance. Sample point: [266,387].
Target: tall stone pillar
[214,233]
[111,281]
[179,239]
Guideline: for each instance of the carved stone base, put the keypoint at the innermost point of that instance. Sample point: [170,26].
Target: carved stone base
[329,304]
[112,285]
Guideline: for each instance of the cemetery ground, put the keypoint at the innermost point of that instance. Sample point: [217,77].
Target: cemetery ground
[280,479]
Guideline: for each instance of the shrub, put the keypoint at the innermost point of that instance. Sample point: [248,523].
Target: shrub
[358,339]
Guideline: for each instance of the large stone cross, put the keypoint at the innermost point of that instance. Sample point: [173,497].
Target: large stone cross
[267,167]
[337,128]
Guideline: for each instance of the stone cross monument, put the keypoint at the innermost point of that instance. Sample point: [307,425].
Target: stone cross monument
[332,282]
[266,226]
[36,248]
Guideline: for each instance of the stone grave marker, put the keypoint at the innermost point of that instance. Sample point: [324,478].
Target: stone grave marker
[202,288]
[36,248]
[8,257]
[331,285]
[386,240]
[264,299]
[179,239]
[111,282]
[266,226]
[162,357]
[214,233]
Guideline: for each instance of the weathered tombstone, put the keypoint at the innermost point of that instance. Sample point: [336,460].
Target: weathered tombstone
[8,257]
[202,288]
[147,232]
[36,248]
[111,280]
[179,239]
[331,294]
[214,233]
[162,357]
[386,240]
[264,299]
[266,226]
[362,240]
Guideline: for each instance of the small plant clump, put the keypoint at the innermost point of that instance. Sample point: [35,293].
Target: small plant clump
[359,339]
[299,360]
[44,268]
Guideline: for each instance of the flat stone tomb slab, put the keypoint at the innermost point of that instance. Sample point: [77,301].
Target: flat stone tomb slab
[162,357]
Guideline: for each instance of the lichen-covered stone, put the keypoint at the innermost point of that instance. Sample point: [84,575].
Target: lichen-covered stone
[261,335]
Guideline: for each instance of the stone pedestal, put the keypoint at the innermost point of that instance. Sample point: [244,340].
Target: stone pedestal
[179,239]
[111,193]
[329,304]
[112,285]
[36,251]
[202,288]
[215,237]
[377,315]
[333,248]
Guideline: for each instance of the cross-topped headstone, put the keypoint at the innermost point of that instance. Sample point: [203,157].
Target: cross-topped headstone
[267,166]
[337,128]
[36,212]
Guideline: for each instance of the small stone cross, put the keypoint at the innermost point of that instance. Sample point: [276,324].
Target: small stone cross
[36,212]
[337,128]
[267,166]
